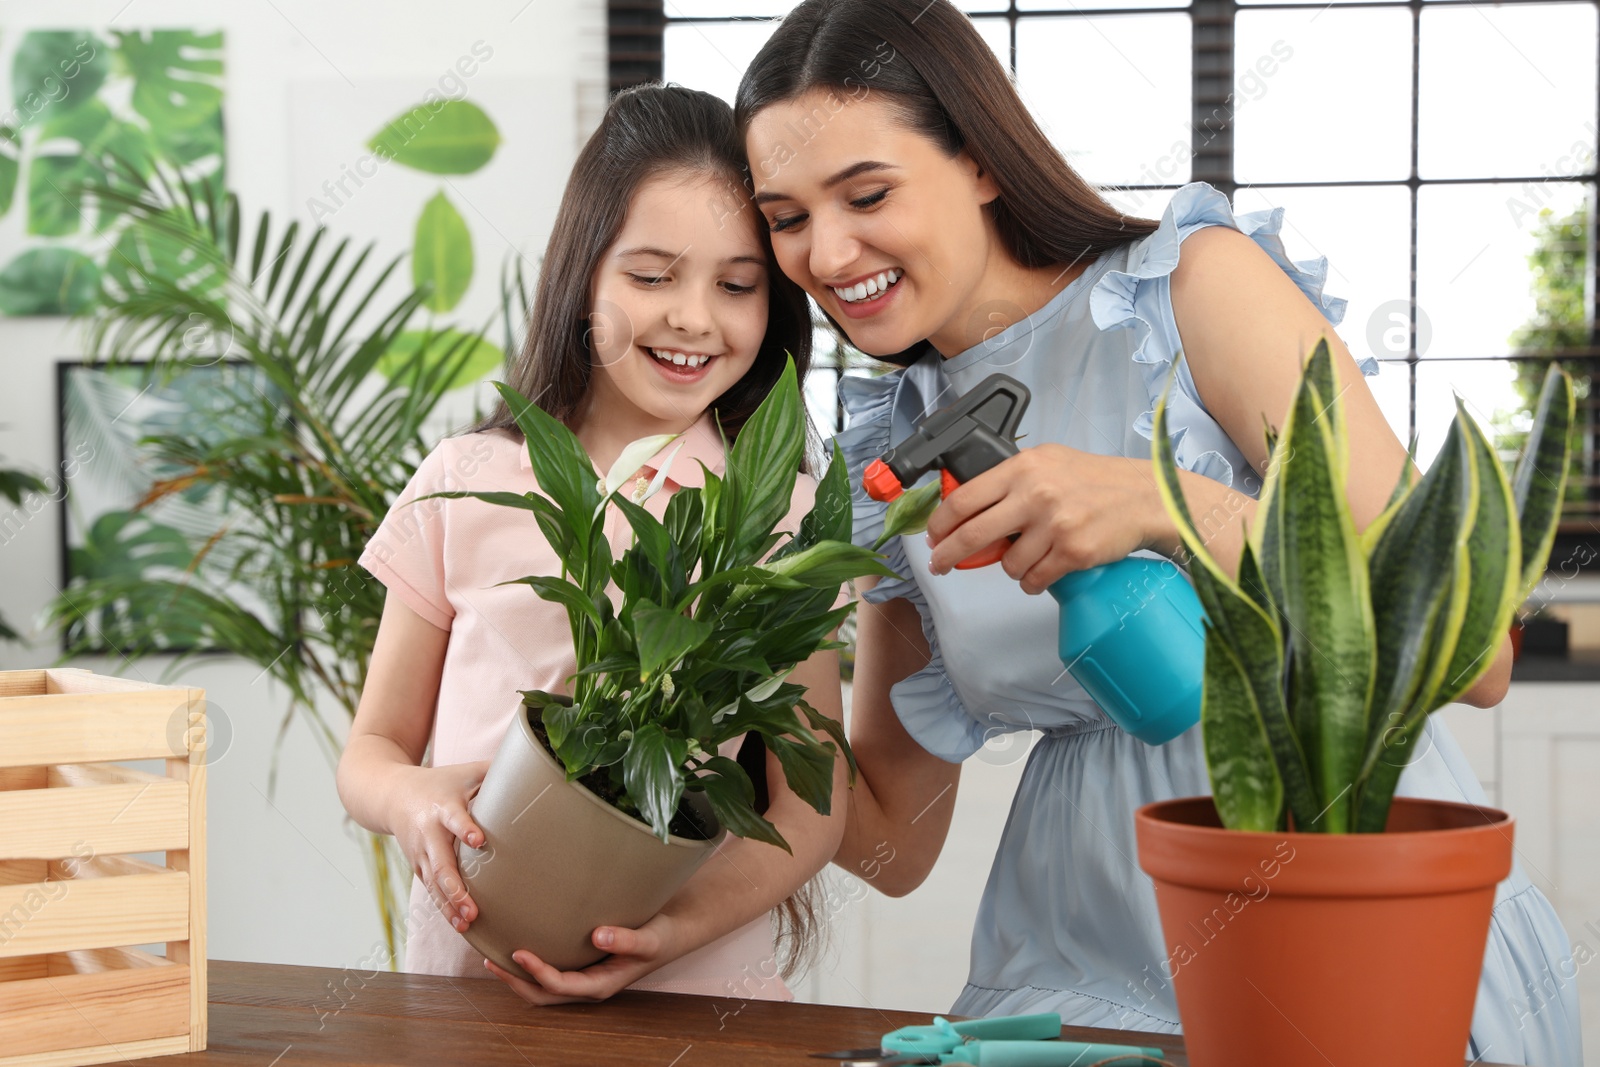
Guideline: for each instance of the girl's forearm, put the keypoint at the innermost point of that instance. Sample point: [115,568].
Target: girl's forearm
[747,879]
[368,772]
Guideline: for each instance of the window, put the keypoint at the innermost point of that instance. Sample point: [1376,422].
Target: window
[1426,148]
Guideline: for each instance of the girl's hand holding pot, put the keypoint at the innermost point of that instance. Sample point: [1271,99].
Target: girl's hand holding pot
[1069,509]
[634,954]
[430,813]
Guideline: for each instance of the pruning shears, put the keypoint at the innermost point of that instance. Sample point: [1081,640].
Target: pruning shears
[1003,1041]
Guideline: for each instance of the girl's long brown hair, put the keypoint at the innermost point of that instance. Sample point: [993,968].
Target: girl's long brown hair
[647,131]
[946,83]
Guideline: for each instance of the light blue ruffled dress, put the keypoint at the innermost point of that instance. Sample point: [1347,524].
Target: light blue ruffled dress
[1068,921]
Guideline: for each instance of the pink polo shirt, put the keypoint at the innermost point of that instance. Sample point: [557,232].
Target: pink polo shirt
[443,558]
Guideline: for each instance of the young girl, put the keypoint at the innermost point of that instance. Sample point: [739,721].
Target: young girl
[658,310]
[911,194]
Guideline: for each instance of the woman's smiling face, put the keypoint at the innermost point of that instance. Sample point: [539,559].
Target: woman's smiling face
[883,228]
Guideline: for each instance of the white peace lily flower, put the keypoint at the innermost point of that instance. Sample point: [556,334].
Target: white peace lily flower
[632,458]
[667,688]
[661,476]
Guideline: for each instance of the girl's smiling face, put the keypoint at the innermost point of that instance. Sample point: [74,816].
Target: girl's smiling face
[678,307]
[882,227]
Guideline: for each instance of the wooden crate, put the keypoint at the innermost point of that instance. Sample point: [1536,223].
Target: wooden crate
[75,903]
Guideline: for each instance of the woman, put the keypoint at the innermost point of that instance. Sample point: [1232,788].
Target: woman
[911,194]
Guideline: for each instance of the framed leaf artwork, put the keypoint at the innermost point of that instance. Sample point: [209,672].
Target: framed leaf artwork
[127,516]
[85,108]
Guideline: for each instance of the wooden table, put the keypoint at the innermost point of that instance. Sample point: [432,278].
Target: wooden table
[269,1015]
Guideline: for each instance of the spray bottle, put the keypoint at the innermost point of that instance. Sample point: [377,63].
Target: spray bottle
[1131,630]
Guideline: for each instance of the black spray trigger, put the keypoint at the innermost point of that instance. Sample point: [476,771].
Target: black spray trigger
[967,437]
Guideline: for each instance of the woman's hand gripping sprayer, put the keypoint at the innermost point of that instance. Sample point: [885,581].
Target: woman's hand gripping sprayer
[1131,630]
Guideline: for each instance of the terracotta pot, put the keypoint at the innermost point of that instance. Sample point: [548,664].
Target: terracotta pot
[558,861]
[1357,950]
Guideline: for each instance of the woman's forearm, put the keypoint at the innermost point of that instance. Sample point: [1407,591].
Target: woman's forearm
[904,795]
[1221,514]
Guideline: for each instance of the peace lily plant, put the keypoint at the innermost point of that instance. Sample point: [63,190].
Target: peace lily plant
[714,609]
[1328,651]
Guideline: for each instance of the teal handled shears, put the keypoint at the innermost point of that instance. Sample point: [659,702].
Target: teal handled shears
[1003,1041]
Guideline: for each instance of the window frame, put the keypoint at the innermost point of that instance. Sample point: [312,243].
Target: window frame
[637,30]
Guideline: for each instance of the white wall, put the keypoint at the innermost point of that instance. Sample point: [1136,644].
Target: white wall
[287,880]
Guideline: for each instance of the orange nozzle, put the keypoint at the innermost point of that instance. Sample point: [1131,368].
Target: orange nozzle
[984,556]
[880,483]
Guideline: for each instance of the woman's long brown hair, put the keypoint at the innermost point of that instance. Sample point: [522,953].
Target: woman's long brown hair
[946,83]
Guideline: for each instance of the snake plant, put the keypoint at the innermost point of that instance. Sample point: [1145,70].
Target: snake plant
[709,619]
[1328,651]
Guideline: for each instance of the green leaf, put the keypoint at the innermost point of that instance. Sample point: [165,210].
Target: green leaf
[1494,552]
[444,137]
[85,147]
[758,485]
[471,355]
[656,543]
[1324,577]
[190,145]
[1244,616]
[57,70]
[653,774]
[1393,746]
[554,710]
[177,75]
[733,799]
[556,529]
[827,565]
[441,259]
[834,729]
[683,524]
[1541,476]
[563,468]
[1420,573]
[830,516]
[908,512]
[560,591]
[795,641]
[1244,776]
[1319,369]
[664,636]
[49,281]
[55,185]
[807,766]
[14,485]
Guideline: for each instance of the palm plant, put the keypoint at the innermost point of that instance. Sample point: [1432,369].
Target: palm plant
[1326,654]
[316,455]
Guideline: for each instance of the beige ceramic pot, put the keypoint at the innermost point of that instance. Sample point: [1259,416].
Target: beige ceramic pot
[557,861]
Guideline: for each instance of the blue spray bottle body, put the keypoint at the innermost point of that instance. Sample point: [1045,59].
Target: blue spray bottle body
[1131,631]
